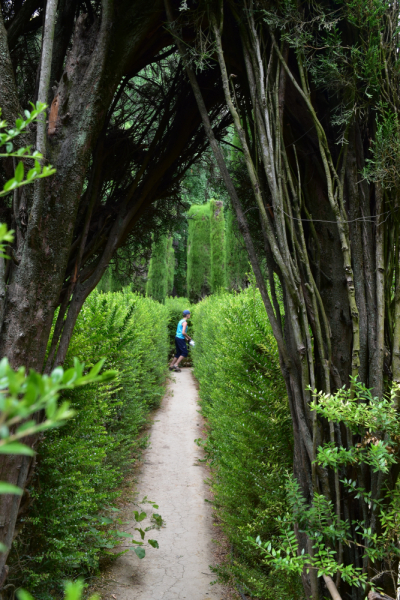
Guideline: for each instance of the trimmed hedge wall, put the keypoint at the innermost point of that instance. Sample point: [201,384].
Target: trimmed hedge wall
[170,267]
[217,245]
[198,253]
[249,446]
[81,465]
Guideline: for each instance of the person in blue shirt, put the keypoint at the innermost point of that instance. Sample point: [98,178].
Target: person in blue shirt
[180,342]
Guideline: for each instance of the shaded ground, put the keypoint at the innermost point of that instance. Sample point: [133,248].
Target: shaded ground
[172,477]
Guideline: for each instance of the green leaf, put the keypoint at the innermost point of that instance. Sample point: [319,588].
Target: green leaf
[24,595]
[16,448]
[105,520]
[139,517]
[25,426]
[153,543]
[158,519]
[19,172]
[142,533]
[123,534]
[73,590]
[10,185]
[8,488]
[140,552]
[31,174]
[97,368]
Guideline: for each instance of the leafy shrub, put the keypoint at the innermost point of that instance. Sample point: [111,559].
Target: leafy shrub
[81,465]
[250,440]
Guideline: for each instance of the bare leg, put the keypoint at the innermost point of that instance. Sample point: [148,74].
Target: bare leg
[179,360]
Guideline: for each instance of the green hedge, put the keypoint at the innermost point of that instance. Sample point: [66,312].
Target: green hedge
[198,252]
[250,439]
[170,266]
[82,465]
[217,245]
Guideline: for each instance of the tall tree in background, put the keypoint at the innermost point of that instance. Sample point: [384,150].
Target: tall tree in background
[198,253]
[170,266]
[158,276]
[217,245]
[313,89]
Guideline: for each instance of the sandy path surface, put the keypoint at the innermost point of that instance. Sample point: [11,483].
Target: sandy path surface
[172,477]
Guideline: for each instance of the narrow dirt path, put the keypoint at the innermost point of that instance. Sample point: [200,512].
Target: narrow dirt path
[173,478]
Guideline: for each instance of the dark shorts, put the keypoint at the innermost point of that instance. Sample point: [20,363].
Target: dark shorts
[181,348]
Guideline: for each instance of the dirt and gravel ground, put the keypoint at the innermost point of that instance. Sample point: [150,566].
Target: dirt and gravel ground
[172,476]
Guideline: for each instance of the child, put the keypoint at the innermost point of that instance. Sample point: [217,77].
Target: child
[180,342]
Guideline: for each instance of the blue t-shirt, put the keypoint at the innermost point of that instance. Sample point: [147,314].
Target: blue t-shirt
[179,333]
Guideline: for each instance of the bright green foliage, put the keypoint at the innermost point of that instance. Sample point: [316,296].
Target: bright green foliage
[73,590]
[237,262]
[175,307]
[361,413]
[6,139]
[82,464]
[170,266]
[24,395]
[157,283]
[217,245]
[250,441]
[198,252]
[180,252]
